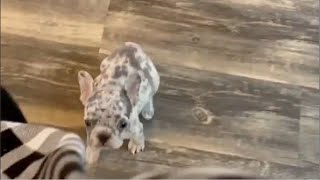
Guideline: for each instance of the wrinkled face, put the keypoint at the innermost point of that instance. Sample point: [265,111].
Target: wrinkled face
[107,119]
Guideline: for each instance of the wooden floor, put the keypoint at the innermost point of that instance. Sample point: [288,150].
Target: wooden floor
[249,116]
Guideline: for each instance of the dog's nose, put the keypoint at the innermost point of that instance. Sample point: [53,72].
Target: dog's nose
[103,138]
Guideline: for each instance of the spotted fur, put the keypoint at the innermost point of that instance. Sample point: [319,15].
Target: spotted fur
[125,87]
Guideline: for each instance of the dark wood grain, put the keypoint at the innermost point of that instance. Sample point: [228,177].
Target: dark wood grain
[265,40]
[77,22]
[90,11]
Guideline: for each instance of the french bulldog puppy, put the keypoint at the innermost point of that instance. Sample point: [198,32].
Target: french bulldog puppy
[112,102]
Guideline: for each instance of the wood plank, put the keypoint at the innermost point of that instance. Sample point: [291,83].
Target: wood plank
[309,148]
[309,133]
[262,39]
[121,164]
[267,123]
[66,21]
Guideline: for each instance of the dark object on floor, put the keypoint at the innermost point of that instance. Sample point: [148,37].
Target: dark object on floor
[10,110]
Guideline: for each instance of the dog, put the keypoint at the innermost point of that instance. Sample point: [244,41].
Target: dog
[125,88]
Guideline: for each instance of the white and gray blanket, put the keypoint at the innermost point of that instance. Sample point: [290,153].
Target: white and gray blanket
[40,152]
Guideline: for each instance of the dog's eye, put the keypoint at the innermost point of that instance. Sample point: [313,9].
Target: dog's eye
[123,124]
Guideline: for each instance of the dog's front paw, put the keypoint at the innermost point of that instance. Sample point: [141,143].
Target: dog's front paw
[147,114]
[148,110]
[135,146]
[92,156]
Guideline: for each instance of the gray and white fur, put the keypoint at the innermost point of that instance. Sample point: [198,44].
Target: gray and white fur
[125,87]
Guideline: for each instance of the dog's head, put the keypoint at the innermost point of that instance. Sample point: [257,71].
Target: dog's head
[109,110]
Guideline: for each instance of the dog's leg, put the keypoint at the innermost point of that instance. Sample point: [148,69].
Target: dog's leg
[148,110]
[92,155]
[136,143]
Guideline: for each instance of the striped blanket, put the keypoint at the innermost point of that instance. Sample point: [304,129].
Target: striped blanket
[39,152]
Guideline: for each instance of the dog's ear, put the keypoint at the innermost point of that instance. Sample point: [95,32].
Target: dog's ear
[132,88]
[86,85]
